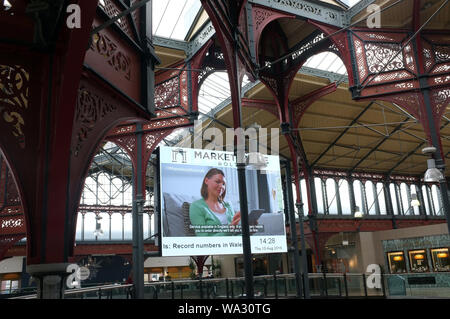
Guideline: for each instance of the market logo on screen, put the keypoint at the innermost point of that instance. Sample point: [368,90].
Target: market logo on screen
[179,156]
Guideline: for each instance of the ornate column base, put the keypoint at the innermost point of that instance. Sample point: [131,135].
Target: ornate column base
[50,278]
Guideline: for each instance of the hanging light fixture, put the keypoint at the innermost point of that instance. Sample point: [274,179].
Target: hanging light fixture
[433,174]
[414,201]
[358,213]
[98,226]
[397,258]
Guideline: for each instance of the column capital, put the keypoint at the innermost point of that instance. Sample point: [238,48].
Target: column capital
[50,278]
[39,270]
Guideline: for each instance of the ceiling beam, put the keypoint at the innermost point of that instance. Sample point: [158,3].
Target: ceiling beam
[352,147]
[384,139]
[331,76]
[170,43]
[412,152]
[341,134]
[357,8]
[318,11]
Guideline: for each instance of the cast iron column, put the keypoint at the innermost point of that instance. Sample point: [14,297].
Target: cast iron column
[301,273]
[241,162]
[137,218]
[246,244]
[51,279]
[351,195]
[338,198]
[388,200]
[299,206]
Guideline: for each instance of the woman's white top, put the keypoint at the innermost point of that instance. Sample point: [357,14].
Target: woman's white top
[222,217]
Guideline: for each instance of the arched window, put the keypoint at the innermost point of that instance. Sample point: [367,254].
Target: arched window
[103,189]
[331,197]
[319,196]
[89,193]
[415,191]
[79,231]
[117,187]
[116,226]
[372,203]
[146,220]
[327,61]
[128,226]
[395,202]
[108,184]
[381,199]
[358,196]
[405,199]
[128,196]
[345,197]
[304,193]
[436,194]
[104,226]
[294,193]
[89,226]
[426,203]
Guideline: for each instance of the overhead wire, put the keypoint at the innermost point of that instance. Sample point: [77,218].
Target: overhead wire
[162,16]
[178,19]
[351,126]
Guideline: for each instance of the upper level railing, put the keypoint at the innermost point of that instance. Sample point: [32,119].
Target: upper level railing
[321,285]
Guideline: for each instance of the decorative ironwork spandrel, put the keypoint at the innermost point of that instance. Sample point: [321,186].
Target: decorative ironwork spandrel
[14,99]
[117,59]
[91,108]
[167,93]
[111,9]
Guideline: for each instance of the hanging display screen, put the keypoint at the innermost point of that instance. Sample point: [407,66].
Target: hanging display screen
[200,209]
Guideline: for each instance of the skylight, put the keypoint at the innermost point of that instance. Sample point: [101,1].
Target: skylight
[173,18]
[214,90]
[350,3]
[326,61]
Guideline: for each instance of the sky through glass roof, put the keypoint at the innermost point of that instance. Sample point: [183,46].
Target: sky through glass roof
[326,61]
[350,3]
[173,18]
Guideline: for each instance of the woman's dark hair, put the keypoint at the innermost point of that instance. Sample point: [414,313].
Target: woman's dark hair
[204,189]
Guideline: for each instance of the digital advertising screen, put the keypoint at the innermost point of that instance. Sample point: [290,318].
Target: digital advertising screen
[200,209]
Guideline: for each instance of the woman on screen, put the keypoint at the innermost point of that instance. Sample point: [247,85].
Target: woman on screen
[211,215]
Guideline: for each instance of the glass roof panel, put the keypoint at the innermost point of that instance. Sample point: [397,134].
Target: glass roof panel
[213,91]
[350,3]
[173,18]
[326,61]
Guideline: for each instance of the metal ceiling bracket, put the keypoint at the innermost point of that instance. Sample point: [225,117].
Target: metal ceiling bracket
[46,15]
[308,10]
